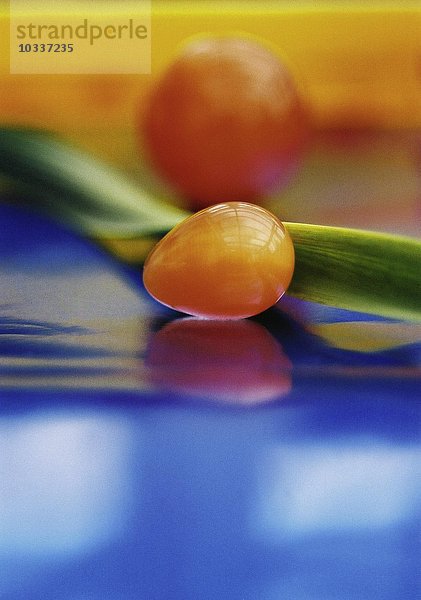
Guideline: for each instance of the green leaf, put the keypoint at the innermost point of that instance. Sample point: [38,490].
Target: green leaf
[347,268]
[357,270]
[79,190]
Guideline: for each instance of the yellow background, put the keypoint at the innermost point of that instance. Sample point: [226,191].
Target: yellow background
[359,63]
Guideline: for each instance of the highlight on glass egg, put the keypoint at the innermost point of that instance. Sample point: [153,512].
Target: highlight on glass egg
[229,261]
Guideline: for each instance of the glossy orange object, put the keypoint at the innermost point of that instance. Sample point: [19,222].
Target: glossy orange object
[228,261]
[225,121]
[237,362]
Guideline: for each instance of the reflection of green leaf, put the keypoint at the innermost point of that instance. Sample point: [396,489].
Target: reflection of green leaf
[368,336]
[358,270]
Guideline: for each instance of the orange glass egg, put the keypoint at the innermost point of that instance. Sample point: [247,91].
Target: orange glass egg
[225,121]
[228,261]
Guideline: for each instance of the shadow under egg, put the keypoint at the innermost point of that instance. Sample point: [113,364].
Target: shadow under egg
[235,362]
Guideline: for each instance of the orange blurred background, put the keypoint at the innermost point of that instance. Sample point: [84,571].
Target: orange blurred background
[360,64]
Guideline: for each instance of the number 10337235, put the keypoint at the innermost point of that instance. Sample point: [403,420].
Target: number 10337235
[45,48]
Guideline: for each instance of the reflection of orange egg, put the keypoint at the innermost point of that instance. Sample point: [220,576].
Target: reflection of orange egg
[227,261]
[230,361]
[225,122]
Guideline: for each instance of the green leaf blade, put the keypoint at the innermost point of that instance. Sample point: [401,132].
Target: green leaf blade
[357,270]
[90,194]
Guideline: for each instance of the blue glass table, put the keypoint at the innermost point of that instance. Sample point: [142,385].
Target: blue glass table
[148,456]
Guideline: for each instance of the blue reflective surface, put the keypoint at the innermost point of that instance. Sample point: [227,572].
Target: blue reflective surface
[142,456]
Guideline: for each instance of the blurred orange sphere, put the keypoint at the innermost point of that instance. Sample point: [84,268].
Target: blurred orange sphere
[225,122]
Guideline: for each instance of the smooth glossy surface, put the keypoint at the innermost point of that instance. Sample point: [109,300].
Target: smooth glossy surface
[228,261]
[225,122]
[114,488]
